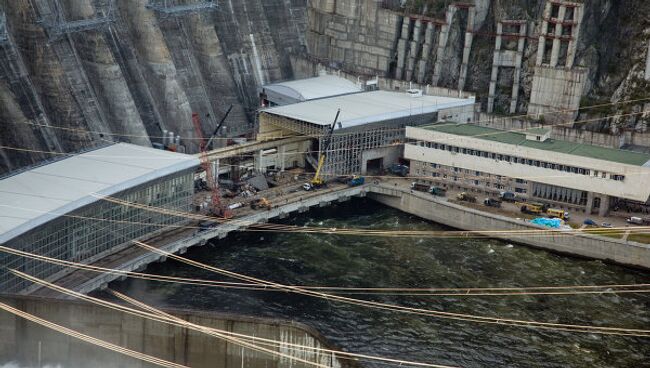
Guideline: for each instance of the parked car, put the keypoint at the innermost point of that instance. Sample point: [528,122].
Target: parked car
[590,222]
[635,220]
[606,224]
[491,202]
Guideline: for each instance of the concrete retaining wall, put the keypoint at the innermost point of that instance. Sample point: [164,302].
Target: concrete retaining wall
[20,339]
[453,215]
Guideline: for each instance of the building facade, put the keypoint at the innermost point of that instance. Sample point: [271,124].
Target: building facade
[72,222]
[578,177]
[370,130]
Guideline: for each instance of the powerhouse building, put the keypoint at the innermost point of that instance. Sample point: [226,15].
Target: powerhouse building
[301,90]
[370,129]
[574,176]
[57,210]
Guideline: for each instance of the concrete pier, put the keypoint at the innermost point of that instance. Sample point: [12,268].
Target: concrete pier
[23,342]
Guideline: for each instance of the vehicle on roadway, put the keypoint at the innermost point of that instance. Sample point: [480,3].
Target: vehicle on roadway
[558,213]
[466,197]
[420,187]
[261,203]
[532,208]
[438,191]
[356,180]
[508,196]
[399,169]
[491,202]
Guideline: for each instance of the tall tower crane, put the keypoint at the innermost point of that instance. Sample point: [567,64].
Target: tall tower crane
[217,207]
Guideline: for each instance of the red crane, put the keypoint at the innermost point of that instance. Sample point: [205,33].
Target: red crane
[218,208]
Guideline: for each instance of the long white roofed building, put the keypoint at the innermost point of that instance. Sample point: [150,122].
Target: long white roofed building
[57,210]
[301,90]
[370,128]
[574,176]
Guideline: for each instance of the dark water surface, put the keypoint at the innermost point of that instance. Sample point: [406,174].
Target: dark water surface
[334,260]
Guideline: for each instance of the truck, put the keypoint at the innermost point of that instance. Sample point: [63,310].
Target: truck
[356,180]
[420,187]
[399,169]
[437,191]
[261,203]
[558,213]
[532,208]
[635,220]
[466,197]
[508,196]
[491,202]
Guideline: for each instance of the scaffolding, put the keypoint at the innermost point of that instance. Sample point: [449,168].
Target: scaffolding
[57,26]
[168,8]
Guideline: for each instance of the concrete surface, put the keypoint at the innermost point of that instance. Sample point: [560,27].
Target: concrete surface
[21,339]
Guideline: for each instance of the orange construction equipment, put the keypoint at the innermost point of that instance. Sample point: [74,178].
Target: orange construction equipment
[217,209]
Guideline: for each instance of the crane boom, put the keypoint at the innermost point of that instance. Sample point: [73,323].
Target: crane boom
[218,208]
[216,131]
[317,180]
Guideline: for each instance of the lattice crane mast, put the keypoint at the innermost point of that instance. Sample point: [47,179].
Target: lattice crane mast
[217,207]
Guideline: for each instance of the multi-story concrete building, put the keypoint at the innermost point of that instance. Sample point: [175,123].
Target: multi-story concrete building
[56,210]
[370,129]
[485,160]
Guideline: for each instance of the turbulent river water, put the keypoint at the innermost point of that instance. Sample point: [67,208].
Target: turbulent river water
[334,260]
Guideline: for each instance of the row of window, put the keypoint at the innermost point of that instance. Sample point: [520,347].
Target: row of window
[519,160]
[79,236]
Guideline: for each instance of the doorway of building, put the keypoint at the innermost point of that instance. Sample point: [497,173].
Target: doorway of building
[374,167]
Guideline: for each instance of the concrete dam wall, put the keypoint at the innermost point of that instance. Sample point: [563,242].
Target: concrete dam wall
[21,339]
[428,207]
[134,69]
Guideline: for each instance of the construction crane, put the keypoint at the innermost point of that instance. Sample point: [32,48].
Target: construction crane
[317,181]
[216,131]
[217,208]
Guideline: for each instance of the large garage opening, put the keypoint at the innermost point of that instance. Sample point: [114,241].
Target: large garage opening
[375,166]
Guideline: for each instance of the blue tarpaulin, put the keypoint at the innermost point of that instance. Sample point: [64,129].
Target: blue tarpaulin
[553,223]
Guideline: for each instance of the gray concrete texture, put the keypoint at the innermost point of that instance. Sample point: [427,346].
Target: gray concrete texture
[142,75]
[21,339]
[438,210]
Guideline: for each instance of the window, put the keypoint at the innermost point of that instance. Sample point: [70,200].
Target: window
[478,173]
[618,177]
[520,190]
[476,182]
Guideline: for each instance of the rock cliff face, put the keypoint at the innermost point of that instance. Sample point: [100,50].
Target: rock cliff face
[138,75]
[518,56]
[142,72]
